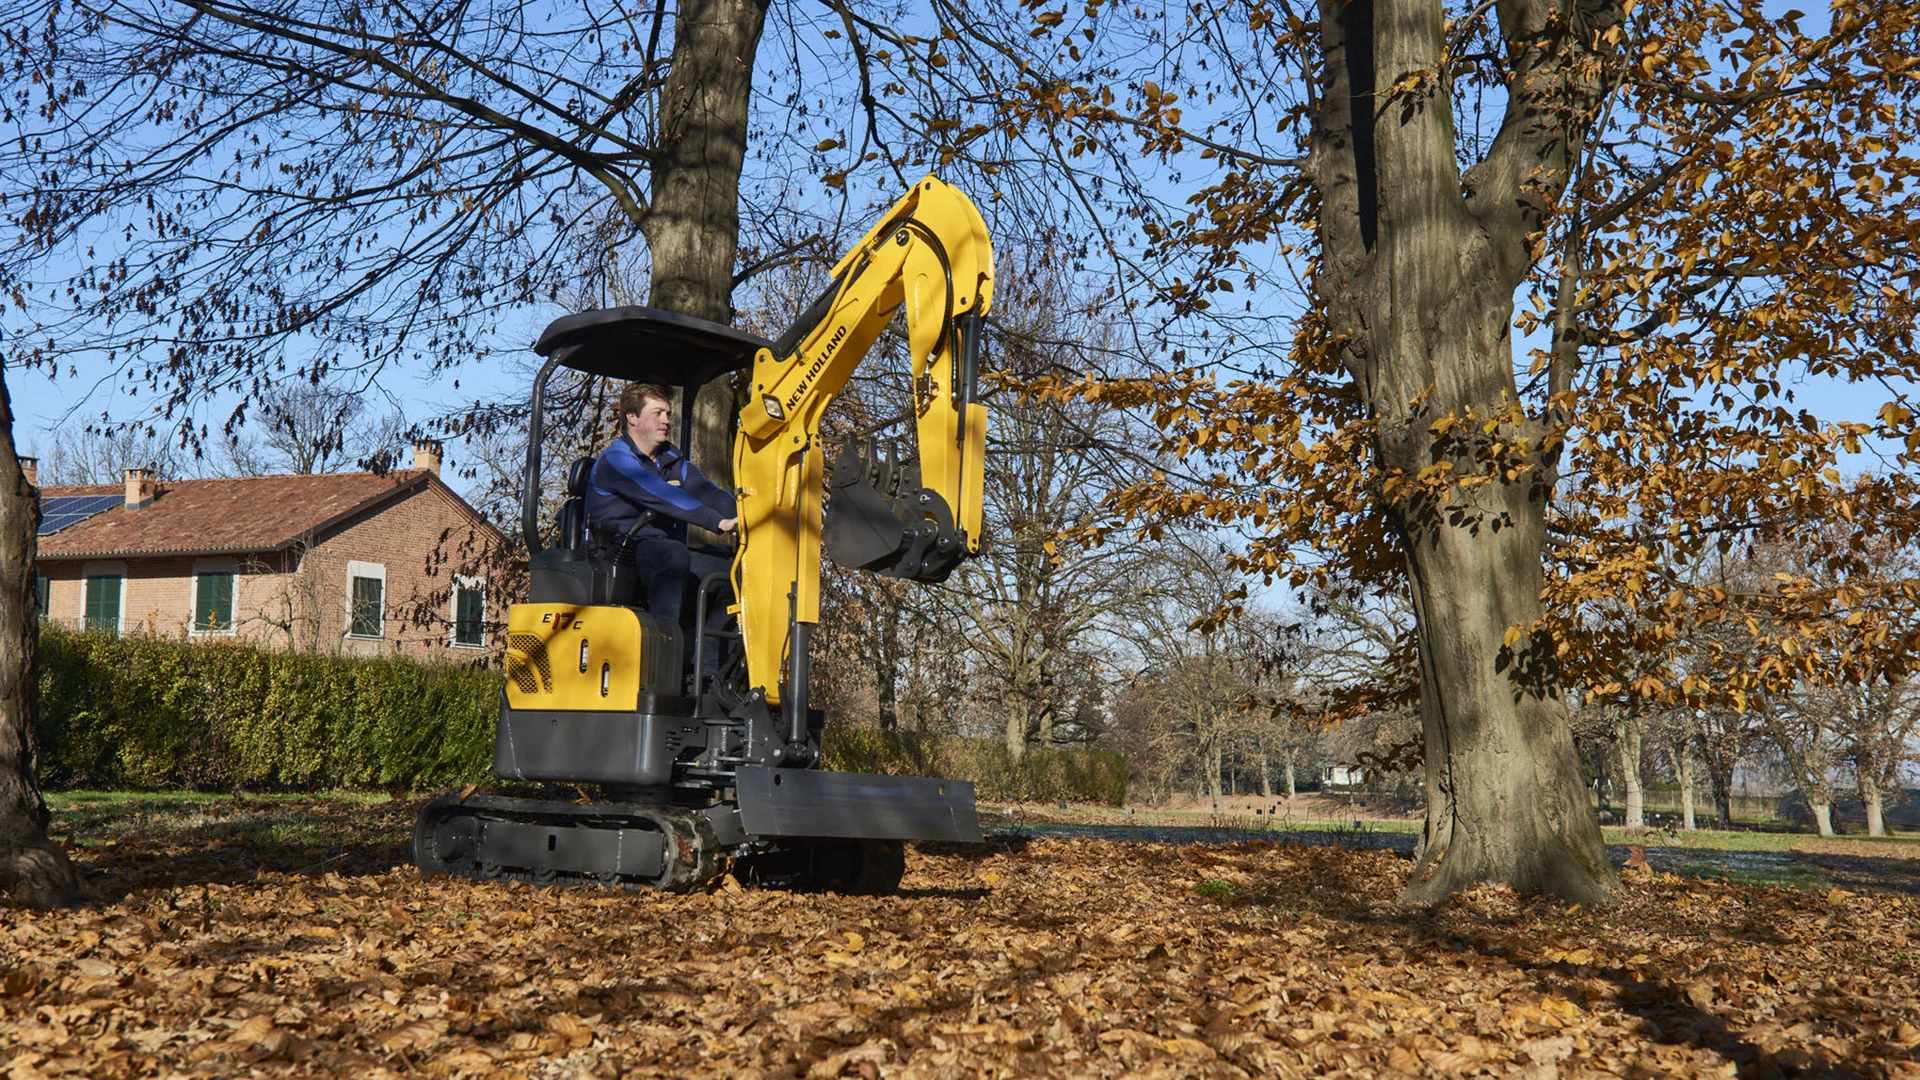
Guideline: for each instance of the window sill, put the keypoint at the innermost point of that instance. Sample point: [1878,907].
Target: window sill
[474,646]
[226,631]
[366,637]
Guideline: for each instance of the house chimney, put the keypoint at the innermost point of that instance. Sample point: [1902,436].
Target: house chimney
[31,466]
[426,455]
[140,488]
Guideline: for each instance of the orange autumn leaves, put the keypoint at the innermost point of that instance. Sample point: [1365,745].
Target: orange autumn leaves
[233,957]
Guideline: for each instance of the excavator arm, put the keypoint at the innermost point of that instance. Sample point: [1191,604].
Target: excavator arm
[913,515]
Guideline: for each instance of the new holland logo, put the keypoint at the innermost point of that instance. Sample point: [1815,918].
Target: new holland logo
[814,369]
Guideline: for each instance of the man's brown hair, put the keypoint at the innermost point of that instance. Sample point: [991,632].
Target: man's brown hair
[636,395]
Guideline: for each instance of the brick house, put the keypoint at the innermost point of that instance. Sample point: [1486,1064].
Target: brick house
[355,563]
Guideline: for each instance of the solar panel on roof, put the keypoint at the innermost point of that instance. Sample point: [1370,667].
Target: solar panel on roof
[58,513]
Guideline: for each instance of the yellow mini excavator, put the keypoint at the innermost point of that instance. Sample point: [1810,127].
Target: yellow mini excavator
[693,777]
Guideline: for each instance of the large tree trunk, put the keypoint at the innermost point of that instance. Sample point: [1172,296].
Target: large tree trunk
[1630,743]
[693,223]
[1017,727]
[1720,782]
[1417,284]
[33,869]
[1822,818]
[1870,798]
[1214,766]
[1683,767]
[1047,705]
[887,679]
[1292,790]
[1504,797]
[886,655]
[1266,778]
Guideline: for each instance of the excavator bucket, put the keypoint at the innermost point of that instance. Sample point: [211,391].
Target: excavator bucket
[879,518]
[861,530]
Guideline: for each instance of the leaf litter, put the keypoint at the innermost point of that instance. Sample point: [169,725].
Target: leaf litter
[218,955]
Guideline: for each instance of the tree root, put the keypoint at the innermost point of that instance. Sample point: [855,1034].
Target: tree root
[34,871]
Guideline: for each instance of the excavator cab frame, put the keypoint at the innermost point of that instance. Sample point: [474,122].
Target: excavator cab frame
[627,344]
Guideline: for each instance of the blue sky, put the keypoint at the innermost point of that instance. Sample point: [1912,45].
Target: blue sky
[42,404]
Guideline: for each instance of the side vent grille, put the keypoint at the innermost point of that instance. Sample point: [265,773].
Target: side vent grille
[527,664]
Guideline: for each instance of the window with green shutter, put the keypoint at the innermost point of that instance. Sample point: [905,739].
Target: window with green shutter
[469,614]
[369,596]
[103,604]
[213,601]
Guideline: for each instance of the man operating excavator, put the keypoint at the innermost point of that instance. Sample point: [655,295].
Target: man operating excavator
[641,497]
[691,777]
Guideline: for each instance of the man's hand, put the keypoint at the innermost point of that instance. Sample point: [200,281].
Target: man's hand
[729,524]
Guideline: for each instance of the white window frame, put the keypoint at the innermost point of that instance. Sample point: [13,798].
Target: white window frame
[463,583]
[378,571]
[104,570]
[215,566]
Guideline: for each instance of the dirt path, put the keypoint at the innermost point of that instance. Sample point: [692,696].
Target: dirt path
[1813,863]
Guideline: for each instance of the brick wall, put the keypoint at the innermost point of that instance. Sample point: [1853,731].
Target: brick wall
[419,544]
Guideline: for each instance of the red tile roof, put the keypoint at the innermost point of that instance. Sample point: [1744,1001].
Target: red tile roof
[228,516]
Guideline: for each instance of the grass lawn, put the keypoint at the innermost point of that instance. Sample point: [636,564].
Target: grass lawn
[319,823]
[84,817]
[1756,836]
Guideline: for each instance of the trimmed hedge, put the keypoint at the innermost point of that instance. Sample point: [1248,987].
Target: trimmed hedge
[1042,776]
[147,712]
[137,713]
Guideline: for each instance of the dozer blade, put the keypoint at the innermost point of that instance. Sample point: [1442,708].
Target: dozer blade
[778,802]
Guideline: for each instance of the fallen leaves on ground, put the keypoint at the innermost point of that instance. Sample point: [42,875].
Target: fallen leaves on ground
[225,957]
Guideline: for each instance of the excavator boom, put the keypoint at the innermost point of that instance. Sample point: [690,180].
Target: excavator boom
[915,515]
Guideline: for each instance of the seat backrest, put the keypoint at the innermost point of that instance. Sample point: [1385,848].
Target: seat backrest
[578,474]
[572,522]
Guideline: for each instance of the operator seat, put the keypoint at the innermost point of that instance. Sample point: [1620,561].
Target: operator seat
[574,570]
[572,522]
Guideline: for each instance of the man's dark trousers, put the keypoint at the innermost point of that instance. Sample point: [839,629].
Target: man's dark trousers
[669,570]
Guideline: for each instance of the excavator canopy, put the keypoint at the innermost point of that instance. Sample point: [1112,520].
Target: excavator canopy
[640,344]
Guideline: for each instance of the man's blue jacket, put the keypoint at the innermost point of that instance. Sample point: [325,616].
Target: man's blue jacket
[625,481]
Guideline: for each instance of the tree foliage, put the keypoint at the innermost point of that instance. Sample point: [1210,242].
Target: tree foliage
[1513,305]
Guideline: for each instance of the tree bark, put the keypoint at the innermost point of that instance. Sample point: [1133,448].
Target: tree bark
[1213,774]
[1266,778]
[33,869]
[887,679]
[1720,783]
[692,224]
[1417,284]
[1870,798]
[1629,742]
[1017,727]
[1683,765]
[1823,818]
[1292,790]
[1044,739]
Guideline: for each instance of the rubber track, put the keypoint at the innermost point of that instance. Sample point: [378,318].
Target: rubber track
[707,862]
